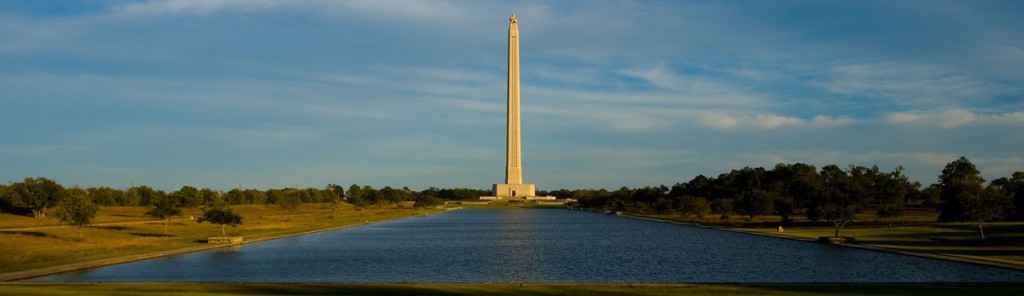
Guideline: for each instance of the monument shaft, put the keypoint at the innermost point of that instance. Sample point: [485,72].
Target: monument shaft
[513,151]
[513,188]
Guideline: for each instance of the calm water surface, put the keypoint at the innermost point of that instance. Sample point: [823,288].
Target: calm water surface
[539,246]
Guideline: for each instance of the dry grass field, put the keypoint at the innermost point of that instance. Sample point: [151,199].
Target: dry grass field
[29,243]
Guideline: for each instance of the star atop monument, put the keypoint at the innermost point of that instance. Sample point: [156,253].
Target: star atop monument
[513,18]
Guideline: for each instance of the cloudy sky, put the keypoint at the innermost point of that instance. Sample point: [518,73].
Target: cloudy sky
[266,94]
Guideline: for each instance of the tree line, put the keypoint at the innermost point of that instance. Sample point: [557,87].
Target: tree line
[38,195]
[831,194]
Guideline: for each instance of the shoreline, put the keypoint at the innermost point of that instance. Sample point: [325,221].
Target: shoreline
[17,276]
[1010,266]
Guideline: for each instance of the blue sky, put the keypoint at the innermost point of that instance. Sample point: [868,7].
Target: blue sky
[267,94]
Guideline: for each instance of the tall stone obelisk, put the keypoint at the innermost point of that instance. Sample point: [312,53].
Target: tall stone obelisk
[513,187]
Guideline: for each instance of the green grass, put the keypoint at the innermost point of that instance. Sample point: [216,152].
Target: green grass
[156,289]
[128,232]
[1005,242]
[915,232]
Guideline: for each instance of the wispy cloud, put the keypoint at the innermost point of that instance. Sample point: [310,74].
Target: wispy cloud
[952,117]
[910,84]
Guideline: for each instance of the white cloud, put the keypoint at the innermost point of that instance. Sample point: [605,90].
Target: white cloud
[774,121]
[436,12]
[950,118]
[719,120]
[1015,117]
[903,117]
[830,121]
[910,84]
[695,89]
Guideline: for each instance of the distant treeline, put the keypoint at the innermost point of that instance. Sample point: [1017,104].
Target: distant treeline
[830,194]
[39,194]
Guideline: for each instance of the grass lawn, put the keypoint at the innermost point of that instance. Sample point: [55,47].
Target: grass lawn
[916,232]
[1005,242]
[156,289]
[121,231]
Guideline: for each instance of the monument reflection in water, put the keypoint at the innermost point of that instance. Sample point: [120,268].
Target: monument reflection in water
[540,246]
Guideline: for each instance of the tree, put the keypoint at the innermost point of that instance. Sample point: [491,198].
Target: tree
[839,199]
[355,195]
[106,196]
[76,209]
[695,205]
[890,194]
[754,202]
[290,201]
[960,184]
[144,196]
[427,198]
[188,196]
[5,199]
[37,194]
[1016,190]
[235,197]
[993,203]
[220,215]
[337,195]
[724,207]
[209,196]
[165,208]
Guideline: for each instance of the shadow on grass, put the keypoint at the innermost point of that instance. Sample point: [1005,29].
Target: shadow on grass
[162,223]
[112,227]
[150,234]
[28,233]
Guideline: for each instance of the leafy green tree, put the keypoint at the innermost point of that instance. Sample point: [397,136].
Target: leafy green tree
[37,194]
[695,205]
[290,201]
[724,207]
[355,196]
[255,197]
[235,197]
[165,208]
[336,197]
[144,195]
[220,215]
[891,190]
[209,196]
[754,202]
[427,199]
[785,207]
[961,185]
[993,203]
[188,196]
[76,209]
[1016,190]
[5,199]
[106,196]
[840,200]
